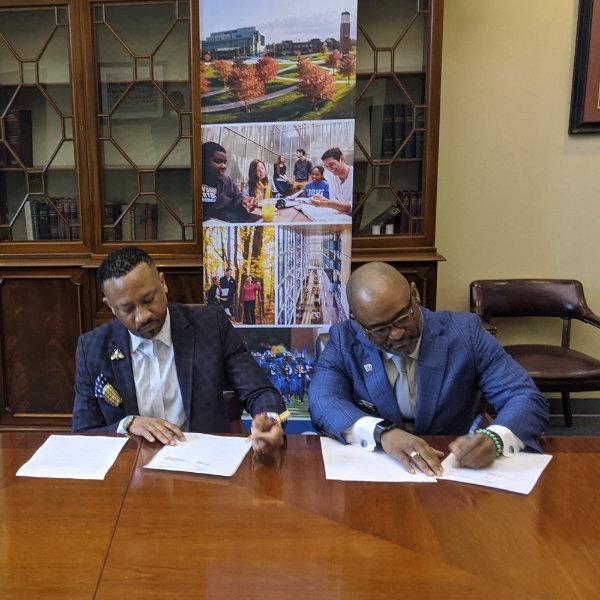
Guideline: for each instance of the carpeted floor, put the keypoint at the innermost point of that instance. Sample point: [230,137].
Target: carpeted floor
[582,425]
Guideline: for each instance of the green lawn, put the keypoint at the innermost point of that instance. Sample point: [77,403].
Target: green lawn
[291,107]
[227,96]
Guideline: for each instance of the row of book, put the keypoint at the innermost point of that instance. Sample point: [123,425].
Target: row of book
[403,218]
[140,222]
[43,222]
[18,134]
[410,220]
[390,126]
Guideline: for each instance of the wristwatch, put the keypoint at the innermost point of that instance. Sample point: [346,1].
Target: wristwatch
[380,429]
[127,423]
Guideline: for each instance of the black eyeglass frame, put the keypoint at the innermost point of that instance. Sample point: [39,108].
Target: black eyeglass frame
[381,332]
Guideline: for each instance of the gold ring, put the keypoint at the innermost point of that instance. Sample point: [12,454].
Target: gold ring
[414,454]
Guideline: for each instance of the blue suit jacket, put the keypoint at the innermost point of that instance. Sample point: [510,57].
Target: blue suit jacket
[208,352]
[457,358]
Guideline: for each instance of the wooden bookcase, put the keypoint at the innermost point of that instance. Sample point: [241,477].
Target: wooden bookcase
[396,139]
[111,90]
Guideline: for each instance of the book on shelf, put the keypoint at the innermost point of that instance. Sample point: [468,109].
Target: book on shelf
[409,123]
[44,221]
[140,222]
[419,135]
[376,129]
[409,219]
[3,156]
[391,125]
[3,198]
[18,134]
[399,126]
[387,132]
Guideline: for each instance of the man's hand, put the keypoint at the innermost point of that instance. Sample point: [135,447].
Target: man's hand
[318,200]
[152,429]
[250,203]
[266,433]
[411,450]
[473,451]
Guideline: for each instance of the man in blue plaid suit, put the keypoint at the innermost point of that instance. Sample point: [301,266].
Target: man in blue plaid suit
[158,370]
[397,370]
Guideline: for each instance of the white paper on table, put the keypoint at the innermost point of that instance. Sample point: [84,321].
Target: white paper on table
[324,214]
[203,453]
[518,473]
[74,457]
[350,463]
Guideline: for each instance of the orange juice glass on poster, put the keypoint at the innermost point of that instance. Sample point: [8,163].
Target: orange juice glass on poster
[268,210]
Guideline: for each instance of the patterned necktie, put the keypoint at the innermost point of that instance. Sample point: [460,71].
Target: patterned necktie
[402,390]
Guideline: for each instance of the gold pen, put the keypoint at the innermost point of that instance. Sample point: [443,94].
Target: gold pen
[281,418]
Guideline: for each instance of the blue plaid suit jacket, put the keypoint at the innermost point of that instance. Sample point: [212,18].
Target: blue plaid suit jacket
[458,357]
[208,352]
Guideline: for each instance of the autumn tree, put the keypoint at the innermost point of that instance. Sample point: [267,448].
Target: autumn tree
[223,70]
[245,83]
[348,66]
[304,66]
[316,85]
[203,83]
[266,68]
[333,60]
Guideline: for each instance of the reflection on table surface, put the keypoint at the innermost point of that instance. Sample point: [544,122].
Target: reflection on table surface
[200,536]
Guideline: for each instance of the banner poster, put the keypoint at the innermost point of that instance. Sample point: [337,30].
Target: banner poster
[277,83]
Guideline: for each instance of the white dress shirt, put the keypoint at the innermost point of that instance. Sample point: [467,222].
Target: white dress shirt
[402,374]
[155,377]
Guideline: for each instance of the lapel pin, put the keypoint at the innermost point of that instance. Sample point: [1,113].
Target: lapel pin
[368,367]
[116,355]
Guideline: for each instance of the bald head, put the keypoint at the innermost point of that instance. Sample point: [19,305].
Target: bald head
[375,291]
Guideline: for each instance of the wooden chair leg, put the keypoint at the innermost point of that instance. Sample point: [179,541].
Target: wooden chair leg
[566,404]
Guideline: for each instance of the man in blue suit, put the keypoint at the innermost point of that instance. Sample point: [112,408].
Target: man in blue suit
[159,369]
[396,371]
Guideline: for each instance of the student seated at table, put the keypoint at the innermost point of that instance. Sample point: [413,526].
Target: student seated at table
[260,186]
[396,371]
[159,369]
[221,198]
[317,186]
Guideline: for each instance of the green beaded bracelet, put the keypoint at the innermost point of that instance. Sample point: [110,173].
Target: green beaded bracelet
[495,438]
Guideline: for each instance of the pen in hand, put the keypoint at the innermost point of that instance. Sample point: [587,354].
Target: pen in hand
[475,425]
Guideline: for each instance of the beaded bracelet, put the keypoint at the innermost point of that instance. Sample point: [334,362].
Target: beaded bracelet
[495,438]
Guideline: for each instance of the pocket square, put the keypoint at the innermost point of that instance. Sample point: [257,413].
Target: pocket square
[105,391]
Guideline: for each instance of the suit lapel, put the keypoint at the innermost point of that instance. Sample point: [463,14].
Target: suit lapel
[431,367]
[122,370]
[182,334]
[378,385]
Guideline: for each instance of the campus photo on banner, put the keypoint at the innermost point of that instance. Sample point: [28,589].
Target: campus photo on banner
[277,86]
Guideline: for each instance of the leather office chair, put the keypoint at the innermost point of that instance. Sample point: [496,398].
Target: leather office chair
[553,368]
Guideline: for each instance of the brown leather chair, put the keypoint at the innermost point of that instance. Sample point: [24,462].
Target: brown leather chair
[553,368]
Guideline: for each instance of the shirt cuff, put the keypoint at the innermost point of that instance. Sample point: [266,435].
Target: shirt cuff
[120,428]
[511,443]
[361,433]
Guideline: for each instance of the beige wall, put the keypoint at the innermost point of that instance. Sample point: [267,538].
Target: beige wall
[517,196]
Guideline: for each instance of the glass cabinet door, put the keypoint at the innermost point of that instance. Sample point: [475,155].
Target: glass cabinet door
[144,118]
[39,197]
[391,117]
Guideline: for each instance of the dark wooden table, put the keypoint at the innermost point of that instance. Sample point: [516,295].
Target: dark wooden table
[283,531]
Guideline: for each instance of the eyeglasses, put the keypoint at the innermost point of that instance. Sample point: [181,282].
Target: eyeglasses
[381,332]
